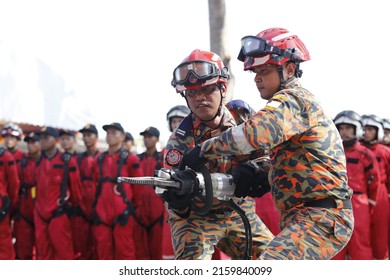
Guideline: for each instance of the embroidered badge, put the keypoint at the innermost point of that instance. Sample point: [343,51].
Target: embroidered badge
[173,157]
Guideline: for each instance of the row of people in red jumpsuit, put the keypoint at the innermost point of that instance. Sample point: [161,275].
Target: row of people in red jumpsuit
[365,141]
[59,204]
[67,205]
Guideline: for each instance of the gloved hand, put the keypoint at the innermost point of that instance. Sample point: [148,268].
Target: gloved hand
[248,182]
[176,201]
[181,199]
[193,160]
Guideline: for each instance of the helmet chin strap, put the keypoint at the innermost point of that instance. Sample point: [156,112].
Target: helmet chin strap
[219,107]
[283,82]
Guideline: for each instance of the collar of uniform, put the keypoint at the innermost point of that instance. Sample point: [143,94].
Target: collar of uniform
[293,84]
[200,128]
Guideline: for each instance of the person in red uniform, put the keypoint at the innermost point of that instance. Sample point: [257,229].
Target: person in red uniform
[373,135]
[58,188]
[9,185]
[364,179]
[12,134]
[151,213]
[85,163]
[174,117]
[128,144]
[68,141]
[77,218]
[24,231]
[115,203]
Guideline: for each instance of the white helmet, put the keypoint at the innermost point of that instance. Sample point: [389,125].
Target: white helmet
[386,123]
[178,111]
[374,121]
[352,118]
[12,129]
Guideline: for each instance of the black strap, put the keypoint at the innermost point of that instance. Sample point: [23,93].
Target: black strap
[5,208]
[328,203]
[66,158]
[130,207]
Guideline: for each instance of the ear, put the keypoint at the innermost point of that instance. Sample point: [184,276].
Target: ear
[223,90]
[290,69]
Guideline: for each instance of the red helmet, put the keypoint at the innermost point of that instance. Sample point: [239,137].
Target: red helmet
[12,129]
[200,68]
[272,46]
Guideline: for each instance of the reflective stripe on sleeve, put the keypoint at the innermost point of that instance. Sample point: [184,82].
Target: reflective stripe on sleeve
[240,140]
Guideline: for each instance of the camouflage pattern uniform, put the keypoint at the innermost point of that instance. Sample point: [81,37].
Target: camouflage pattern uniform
[308,164]
[195,237]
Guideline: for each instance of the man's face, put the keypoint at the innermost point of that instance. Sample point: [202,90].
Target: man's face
[114,136]
[347,131]
[150,141]
[204,102]
[128,145]
[47,142]
[67,142]
[175,121]
[89,139]
[370,133]
[33,147]
[267,80]
[10,141]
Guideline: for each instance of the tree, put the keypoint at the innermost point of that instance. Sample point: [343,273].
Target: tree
[218,38]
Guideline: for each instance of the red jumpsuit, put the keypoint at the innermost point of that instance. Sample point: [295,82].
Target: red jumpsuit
[83,235]
[380,216]
[114,204]
[9,185]
[24,232]
[148,233]
[364,178]
[268,213]
[53,230]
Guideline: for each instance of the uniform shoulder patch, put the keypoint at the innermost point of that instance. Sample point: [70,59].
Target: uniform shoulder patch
[184,127]
[239,104]
[275,102]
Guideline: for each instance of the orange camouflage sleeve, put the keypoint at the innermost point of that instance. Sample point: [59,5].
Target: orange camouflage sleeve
[277,122]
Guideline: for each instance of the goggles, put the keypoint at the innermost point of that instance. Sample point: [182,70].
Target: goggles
[252,46]
[196,72]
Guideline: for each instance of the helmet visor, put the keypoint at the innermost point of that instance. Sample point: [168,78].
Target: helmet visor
[200,70]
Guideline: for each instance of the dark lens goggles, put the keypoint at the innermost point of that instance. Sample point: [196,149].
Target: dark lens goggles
[252,46]
[202,70]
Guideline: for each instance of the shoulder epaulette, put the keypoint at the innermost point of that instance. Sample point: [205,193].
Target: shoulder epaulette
[238,104]
[184,127]
[2,150]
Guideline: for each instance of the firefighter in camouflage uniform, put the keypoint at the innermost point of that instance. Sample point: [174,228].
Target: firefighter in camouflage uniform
[308,173]
[201,79]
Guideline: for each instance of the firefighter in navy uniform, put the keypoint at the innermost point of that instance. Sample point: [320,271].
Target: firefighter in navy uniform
[58,188]
[24,230]
[115,203]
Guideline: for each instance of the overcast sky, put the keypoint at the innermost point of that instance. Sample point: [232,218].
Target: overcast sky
[117,57]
